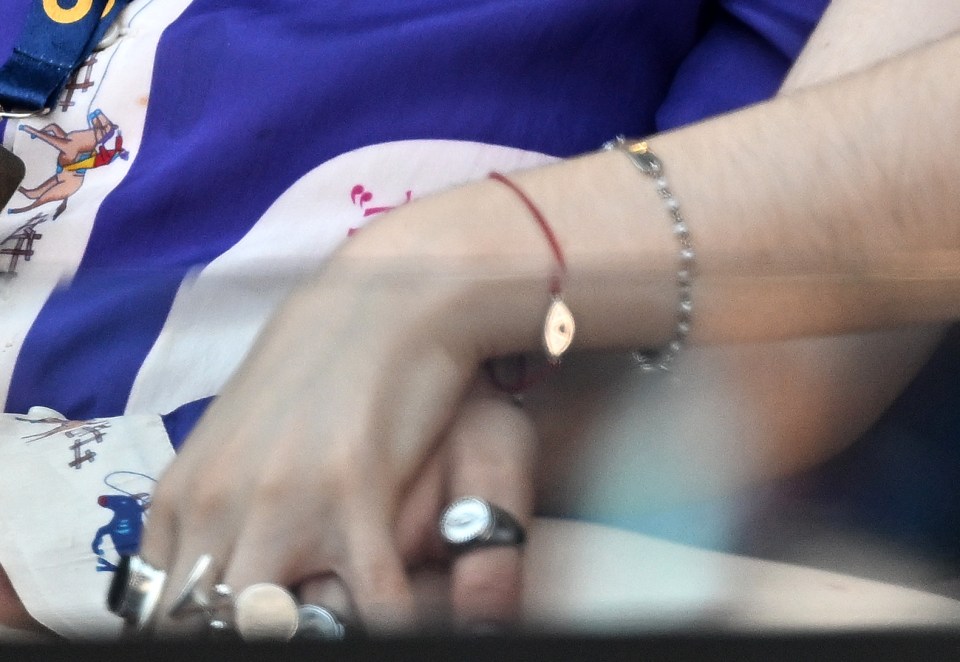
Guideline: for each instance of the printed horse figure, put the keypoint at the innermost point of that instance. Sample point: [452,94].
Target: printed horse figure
[125,528]
[79,151]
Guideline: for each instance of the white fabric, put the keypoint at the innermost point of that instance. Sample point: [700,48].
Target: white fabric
[56,471]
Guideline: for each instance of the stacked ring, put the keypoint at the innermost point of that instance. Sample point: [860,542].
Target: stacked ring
[135,591]
[260,612]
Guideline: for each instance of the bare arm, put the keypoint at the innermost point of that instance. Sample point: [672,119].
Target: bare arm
[854,34]
[855,226]
[747,411]
[824,211]
[831,210]
[812,396]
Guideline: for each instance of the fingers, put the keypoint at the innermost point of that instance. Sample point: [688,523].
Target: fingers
[327,591]
[337,525]
[182,532]
[416,529]
[336,520]
[281,527]
[379,586]
[491,456]
[196,510]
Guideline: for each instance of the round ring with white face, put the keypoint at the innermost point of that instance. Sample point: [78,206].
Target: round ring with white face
[472,522]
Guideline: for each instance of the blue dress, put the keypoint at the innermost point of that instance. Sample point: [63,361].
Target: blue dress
[246,97]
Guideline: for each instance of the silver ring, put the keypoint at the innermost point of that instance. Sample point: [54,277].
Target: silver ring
[135,590]
[190,599]
[316,623]
[472,522]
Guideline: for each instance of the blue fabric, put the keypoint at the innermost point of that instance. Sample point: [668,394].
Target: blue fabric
[175,212]
[179,422]
[48,51]
[740,59]
[783,25]
[14,15]
[750,71]
[247,97]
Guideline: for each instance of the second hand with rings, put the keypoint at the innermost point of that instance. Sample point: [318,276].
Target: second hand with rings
[268,612]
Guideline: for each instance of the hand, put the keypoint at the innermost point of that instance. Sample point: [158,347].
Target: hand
[299,469]
[488,452]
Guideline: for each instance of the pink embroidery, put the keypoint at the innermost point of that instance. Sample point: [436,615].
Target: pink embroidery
[360,196]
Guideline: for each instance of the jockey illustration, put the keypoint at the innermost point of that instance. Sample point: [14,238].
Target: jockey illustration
[80,151]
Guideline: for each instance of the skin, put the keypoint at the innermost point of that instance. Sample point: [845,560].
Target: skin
[398,321]
[785,404]
[488,451]
[393,447]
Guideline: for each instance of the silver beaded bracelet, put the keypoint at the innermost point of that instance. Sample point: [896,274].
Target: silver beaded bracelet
[648,163]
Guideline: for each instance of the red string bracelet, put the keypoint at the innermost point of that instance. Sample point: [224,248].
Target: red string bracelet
[558,327]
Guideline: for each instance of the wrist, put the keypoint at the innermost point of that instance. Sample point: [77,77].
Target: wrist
[480,243]
[621,255]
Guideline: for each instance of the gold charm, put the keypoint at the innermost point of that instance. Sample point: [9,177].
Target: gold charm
[558,329]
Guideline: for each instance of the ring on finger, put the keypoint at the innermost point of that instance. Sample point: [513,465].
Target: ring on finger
[265,612]
[191,599]
[135,591]
[268,612]
[471,522]
[316,623]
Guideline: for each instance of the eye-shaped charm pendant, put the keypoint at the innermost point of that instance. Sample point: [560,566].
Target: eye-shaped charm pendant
[558,329]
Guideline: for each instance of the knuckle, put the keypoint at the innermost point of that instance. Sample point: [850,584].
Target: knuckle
[208,501]
[352,478]
[163,502]
[272,490]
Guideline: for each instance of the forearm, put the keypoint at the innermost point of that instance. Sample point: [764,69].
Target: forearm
[853,225]
[854,34]
[836,389]
[831,210]
[747,412]
[821,212]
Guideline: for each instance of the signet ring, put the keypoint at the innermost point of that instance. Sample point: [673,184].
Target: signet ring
[471,522]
